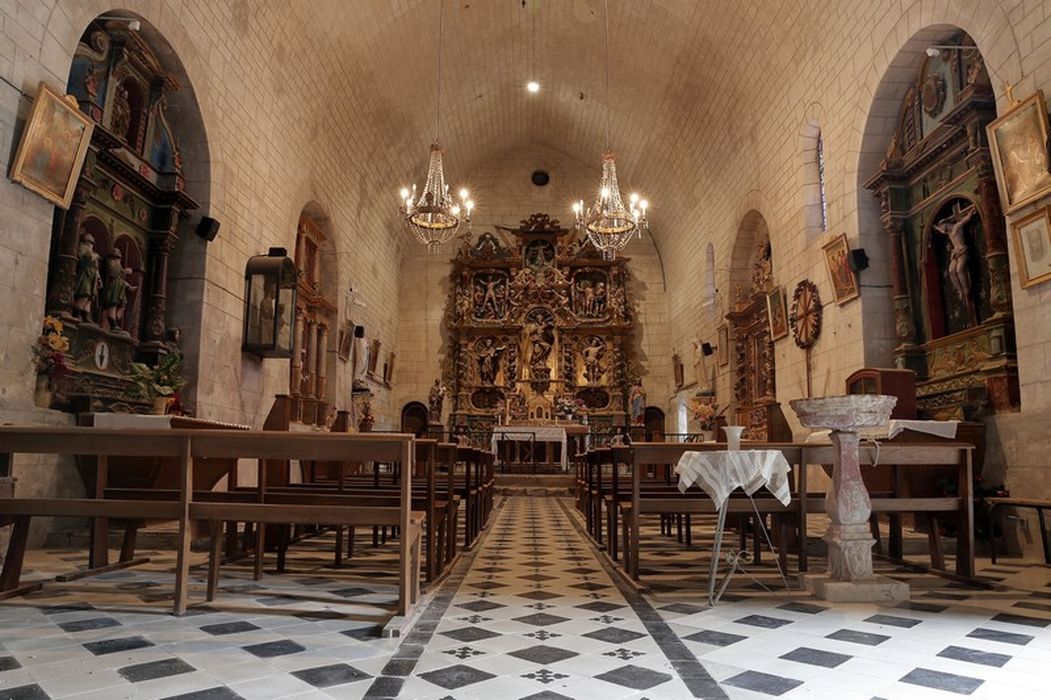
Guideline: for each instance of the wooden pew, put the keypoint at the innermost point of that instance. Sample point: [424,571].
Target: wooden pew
[214,507]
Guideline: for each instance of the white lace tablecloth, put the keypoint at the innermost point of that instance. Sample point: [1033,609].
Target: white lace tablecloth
[539,433]
[719,473]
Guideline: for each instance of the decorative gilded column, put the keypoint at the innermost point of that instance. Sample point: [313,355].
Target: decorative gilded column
[311,362]
[157,296]
[995,231]
[60,296]
[295,381]
[319,372]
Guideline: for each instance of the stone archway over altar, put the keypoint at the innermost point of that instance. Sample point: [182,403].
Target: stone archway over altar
[540,324]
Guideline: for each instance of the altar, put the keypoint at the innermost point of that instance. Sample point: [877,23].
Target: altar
[537,446]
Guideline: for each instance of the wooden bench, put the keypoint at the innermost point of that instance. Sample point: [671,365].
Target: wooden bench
[1037,504]
[186,506]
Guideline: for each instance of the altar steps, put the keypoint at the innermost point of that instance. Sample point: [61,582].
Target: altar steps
[560,484]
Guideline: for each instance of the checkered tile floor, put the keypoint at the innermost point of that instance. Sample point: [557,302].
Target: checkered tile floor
[531,613]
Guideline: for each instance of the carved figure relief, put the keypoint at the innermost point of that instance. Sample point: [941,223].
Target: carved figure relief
[594,354]
[86,289]
[953,228]
[591,294]
[115,291]
[487,356]
[490,296]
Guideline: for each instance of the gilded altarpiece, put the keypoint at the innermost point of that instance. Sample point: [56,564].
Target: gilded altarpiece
[110,251]
[941,212]
[536,319]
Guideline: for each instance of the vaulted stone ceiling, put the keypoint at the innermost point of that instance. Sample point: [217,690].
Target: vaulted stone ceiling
[678,84]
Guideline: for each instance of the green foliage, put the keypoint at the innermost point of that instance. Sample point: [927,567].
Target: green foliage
[164,379]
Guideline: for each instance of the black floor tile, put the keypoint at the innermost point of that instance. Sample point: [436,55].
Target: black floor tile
[816,657]
[635,677]
[217,693]
[543,654]
[9,663]
[458,676]
[138,673]
[808,608]
[975,656]
[541,619]
[893,621]
[858,637]
[962,685]
[600,606]
[24,692]
[1022,620]
[770,623]
[765,683]
[480,605]
[364,633]
[269,650]
[1000,636]
[328,676]
[614,635]
[229,628]
[470,634]
[547,695]
[719,639]
[112,646]
[95,623]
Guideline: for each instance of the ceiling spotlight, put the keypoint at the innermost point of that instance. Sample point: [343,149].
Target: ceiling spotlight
[533,86]
[935,51]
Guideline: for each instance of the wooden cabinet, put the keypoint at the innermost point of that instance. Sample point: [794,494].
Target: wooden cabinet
[889,382]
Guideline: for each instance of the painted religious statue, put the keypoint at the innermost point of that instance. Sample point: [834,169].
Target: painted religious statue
[637,403]
[115,291]
[434,402]
[88,282]
[959,275]
[489,360]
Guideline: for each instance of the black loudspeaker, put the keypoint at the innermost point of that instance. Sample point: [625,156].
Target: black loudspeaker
[208,229]
[707,349]
[858,259]
[359,331]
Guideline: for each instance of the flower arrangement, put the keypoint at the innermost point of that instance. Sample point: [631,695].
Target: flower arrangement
[569,407]
[49,352]
[164,379]
[365,417]
[705,412]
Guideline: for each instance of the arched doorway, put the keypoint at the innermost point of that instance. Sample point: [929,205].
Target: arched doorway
[414,419]
[119,262]
[752,348]
[653,419]
[941,218]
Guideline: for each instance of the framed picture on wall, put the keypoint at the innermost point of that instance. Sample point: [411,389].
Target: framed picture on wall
[843,280]
[374,356]
[388,368]
[1032,238]
[1018,141]
[676,366]
[53,147]
[722,352]
[777,311]
[346,337]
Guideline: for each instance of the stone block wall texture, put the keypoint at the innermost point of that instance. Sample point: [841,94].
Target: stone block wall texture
[331,102]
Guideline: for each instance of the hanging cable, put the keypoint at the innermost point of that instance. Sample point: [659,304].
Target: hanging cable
[438,87]
[609,118]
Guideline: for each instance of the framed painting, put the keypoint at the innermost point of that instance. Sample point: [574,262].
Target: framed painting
[777,311]
[374,356]
[1018,141]
[346,337]
[837,260]
[388,368]
[1032,238]
[53,146]
[676,365]
[722,353]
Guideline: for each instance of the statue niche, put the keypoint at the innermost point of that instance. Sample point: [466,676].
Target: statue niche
[489,296]
[591,295]
[540,341]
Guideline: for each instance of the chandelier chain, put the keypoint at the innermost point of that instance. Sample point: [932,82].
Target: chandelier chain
[609,118]
[438,86]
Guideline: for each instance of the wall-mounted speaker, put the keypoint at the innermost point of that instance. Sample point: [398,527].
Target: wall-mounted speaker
[707,349]
[208,228]
[858,259]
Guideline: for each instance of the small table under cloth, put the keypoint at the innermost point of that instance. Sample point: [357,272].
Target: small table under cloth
[533,434]
[720,473]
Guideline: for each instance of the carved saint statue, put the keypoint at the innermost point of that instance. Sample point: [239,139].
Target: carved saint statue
[593,355]
[953,228]
[599,307]
[86,289]
[637,403]
[435,400]
[115,291]
[489,361]
[541,340]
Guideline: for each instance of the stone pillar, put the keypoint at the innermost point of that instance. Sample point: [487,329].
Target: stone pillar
[847,504]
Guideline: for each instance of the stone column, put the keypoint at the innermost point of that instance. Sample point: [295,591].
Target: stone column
[903,326]
[847,504]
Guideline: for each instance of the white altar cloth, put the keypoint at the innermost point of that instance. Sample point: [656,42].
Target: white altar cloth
[532,433]
[719,473]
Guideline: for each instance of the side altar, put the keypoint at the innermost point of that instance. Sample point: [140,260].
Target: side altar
[541,330]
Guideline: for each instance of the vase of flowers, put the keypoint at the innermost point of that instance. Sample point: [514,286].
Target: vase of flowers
[159,383]
[49,359]
[706,412]
[365,419]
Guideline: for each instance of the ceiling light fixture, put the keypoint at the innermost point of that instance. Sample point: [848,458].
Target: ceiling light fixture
[533,86]
[433,216]
[608,223]
[934,51]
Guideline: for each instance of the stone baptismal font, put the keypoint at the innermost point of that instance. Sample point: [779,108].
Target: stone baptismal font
[850,577]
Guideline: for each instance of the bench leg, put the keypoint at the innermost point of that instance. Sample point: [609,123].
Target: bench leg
[688,525]
[934,538]
[284,533]
[127,547]
[230,546]
[260,550]
[1043,535]
[98,555]
[214,558]
[338,561]
[350,542]
[16,554]
[896,545]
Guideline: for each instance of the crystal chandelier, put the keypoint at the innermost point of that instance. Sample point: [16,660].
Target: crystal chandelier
[608,223]
[433,216]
